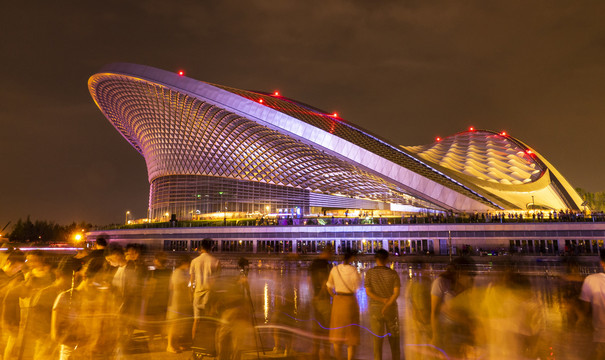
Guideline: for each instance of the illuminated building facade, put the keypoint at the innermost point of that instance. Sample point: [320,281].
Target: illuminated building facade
[212,149]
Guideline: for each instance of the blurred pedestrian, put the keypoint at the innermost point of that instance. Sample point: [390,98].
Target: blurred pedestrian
[343,282]
[383,287]
[15,306]
[11,276]
[510,317]
[179,306]
[319,271]
[84,318]
[450,332]
[157,296]
[203,271]
[593,294]
[283,318]
[38,323]
[99,248]
[418,309]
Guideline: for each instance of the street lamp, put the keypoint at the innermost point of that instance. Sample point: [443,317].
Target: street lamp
[79,237]
[224,210]
[126,219]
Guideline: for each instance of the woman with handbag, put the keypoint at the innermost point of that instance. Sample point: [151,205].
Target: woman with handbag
[343,282]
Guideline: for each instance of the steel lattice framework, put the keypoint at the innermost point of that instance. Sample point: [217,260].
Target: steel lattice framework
[503,166]
[484,155]
[191,137]
[184,127]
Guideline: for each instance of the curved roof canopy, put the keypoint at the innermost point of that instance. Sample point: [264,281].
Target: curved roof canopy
[502,167]
[189,127]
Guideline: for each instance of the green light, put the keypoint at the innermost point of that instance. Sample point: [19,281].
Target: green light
[220,193]
[199,196]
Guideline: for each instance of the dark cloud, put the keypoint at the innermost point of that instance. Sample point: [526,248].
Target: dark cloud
[407,70]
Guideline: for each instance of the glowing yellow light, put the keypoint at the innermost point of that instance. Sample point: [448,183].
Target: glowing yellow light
[266,303]
[78,237]
[295,302]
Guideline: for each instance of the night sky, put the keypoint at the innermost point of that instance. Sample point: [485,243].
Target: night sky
[407,70]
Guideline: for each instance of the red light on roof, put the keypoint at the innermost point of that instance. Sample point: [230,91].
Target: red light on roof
[529,151]
[276,93]
[503,133]
[181,73]
[471,129]
[438,138]
[335,115]
[260,101]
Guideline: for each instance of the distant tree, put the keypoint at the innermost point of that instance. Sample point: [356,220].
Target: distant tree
[41,231]
[594,201]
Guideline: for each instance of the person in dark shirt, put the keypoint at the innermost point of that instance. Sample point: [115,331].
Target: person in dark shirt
[38,322]
[157,292]
[382,286]
[136,275]
[98,249]
[319,270]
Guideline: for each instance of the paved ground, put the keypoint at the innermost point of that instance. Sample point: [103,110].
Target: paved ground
[187,355]
[141,349]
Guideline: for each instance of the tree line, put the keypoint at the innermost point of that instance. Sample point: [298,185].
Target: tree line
[594,201]
[45,232]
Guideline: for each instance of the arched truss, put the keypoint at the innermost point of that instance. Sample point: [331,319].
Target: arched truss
[484,155]
[182,126]
[180,134]
[503,167]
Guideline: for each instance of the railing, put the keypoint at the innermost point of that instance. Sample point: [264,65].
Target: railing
[386,220]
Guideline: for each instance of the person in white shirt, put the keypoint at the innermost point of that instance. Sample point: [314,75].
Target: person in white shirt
[202,272]
[343,282]
[593,293]
[116,259]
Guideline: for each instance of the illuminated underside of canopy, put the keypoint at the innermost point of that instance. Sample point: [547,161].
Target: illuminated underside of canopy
[192,133]
[501,166]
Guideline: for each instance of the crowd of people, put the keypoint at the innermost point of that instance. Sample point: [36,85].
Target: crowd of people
[92,305]
[88,305]
[452,316]
[369,218]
